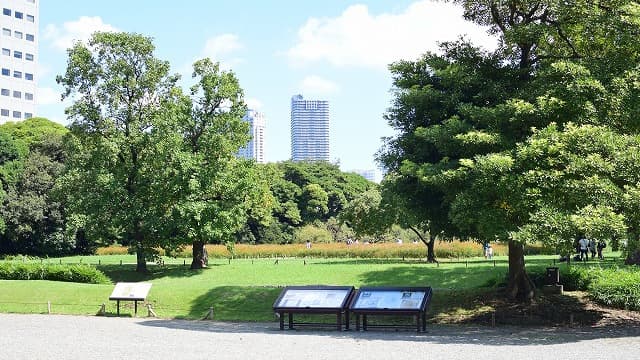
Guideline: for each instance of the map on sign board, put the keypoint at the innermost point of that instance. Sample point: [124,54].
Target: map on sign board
[329,298]
[130,291]
[387,299]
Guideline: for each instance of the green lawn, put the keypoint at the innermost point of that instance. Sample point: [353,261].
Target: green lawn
[245,290]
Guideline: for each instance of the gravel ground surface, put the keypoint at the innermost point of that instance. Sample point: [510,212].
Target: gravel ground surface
[77,337]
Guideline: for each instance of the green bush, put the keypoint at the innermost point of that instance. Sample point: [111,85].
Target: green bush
[69,273]
[619,288]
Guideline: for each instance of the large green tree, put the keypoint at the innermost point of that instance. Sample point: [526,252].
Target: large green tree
[119,92]
[214,192]
[463,112]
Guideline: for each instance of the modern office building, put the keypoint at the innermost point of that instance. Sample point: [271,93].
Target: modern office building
[255,147]
[309,129]
[368,174]
[19,59]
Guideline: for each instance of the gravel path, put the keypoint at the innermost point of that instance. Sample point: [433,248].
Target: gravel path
[77,337]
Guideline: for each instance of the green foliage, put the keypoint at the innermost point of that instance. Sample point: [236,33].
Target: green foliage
[313,234]
[68,273]
[618,288]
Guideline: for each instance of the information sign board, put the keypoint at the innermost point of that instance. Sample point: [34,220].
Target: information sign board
[383,299]
[313,298]
[130,291]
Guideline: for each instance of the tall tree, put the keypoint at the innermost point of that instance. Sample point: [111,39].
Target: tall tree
[215,192]
[463,112]
[119,91]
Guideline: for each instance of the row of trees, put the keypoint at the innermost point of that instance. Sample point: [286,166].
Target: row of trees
[537,140]
[146,165]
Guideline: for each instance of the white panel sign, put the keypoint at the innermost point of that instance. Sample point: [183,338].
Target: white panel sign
[386,299]
[294,298]
[130,291]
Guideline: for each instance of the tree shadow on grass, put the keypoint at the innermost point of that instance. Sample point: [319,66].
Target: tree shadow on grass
[127,273]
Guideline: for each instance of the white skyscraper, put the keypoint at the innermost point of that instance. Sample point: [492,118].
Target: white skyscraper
[255,147]
[309,129]
[19,59]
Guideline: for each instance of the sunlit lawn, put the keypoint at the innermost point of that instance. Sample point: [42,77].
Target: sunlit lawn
[244,289]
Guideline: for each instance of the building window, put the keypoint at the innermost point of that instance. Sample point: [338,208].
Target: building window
[28,96]
[4,92]
[31,18]
[28,57]
[17,74]
[5,72]
[6,11]
[28,76]
[17,114]
[4,112]
[17,34]
[6,32]
[16,54]
[17,94]
[18,15]
[30,37]
[6,52]
[28,115]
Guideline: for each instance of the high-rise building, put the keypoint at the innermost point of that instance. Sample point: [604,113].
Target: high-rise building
[309,129]
[368,174]
[19,59]
[255,146]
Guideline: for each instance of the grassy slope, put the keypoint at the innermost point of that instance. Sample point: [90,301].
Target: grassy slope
[245,289]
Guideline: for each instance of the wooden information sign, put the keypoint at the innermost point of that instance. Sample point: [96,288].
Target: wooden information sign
[412,301]
[130,292]
[314,300]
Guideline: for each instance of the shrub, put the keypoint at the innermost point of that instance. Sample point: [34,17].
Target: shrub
[69,273]
[618,288]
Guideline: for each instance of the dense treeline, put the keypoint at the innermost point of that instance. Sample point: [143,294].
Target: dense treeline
[307,198]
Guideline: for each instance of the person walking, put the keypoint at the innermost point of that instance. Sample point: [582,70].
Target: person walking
[592,248]
[584,248]
[601,245]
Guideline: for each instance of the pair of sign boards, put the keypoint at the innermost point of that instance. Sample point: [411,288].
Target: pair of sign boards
[345,300]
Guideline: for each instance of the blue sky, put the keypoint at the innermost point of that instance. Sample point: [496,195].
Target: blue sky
[334,50]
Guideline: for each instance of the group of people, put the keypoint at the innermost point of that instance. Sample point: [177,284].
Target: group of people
[589,246]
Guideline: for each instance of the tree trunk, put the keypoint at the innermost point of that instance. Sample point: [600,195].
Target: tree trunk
[141,261]
[520,287]
[431,254]
[141,258]
[200,259]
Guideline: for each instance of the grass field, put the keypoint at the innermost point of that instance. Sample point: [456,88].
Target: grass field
[244,289]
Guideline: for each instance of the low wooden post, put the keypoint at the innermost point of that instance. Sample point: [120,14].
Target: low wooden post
[493,319]
[48,307]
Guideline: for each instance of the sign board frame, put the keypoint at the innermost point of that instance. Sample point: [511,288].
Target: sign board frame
[409,301]
[314,300]
[126,291]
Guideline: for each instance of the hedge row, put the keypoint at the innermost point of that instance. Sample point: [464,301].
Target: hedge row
[69,273]
[443,250]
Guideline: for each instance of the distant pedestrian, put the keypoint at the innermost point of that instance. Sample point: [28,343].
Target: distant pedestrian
[592,248]
[584,248]
[308,244]
[485,249]
[489,252]
[601,245]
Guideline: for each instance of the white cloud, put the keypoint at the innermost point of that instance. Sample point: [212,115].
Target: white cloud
[253,103]
[316,85]
[218,46]
[71,31]
[358,38]
[48,96]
